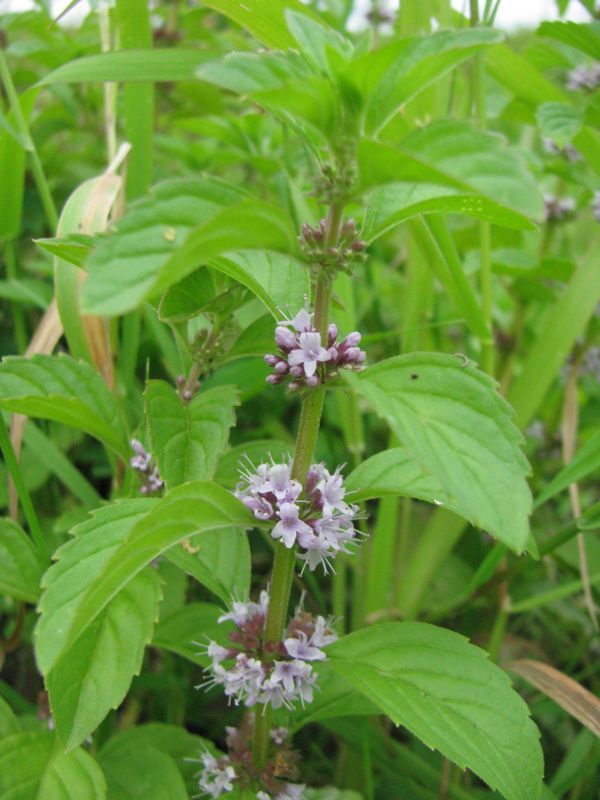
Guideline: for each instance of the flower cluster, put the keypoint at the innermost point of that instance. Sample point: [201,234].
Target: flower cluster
[583,77]
[568,151]
[143,463]
[286,674]
[302,359]
[557,209]
[321,524]
[238,769]
[339,257]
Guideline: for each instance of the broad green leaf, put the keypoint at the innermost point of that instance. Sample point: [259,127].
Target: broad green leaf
[188,438]
[248,73]
[9,724]
[79,563]
[27,291]
[130,65]
[186,630]
[145,257]
[64,390]
[255,340]
[582,36]
[228,471]
[94,674]
[73,249]
[138,771]
[20,568]
[445,691]
[559,122]
[280,281]
[585,462]
[191,296]
[265,22]
[320,45]
[395,472]
[33,766]
[187,511]
[219,560]
[174,740]
[397,72]
[12,172]
[449,417]
[335,698]
[153,227]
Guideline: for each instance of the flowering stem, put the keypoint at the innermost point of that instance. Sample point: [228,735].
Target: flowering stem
[308,431]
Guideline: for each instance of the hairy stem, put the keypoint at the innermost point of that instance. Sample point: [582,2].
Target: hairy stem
[308,431]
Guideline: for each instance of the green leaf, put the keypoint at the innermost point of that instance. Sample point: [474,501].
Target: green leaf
[174,740]
[318,43]
[228,471]
[265,22]
[184,631]
[191,296]
[395,472]
[27,291]
[559,122]
[12,172]
[248,73]
[581,36]
[335,698]
[79,563]
[394,74]
[137,771]
[445,691]
[219,560]
[188,438]
[34,767]
[94,674]
[123,538]
[155,246]
[9,724]
[73,249]
[64,390]
[20,568]
[130,65]
[585,462]
[450,418]
[255,340]
[279,281]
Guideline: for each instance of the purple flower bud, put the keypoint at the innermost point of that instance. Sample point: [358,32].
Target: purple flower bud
[273,379]
[352,354]
[297,371]
[285,339]
[313,381]
[294,386]
[281,367]
[332,333]
[271,360]
[180,380]
[187,395]
[358,246]
[352,339]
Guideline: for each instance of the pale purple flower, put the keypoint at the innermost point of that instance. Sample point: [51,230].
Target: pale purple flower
[141,459]
[279,735]
[323,633]
[290,525]
[309,353]
[299,647]
[217,776]
[285,672]
[292,791]
[281,484]
[302,321]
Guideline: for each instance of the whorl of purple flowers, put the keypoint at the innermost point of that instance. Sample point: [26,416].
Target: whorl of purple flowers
[321,523]
[286,676]
[303,361]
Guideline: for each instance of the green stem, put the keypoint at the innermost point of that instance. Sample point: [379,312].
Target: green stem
[308,431]
[24,497]
[28,143]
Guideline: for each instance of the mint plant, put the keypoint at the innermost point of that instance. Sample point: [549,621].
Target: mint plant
[320,309]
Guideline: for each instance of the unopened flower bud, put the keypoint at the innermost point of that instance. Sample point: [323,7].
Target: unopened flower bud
[313,381]
[352,339]
[294,386]
[271,360]
[281,367]
[285,339]
[273,379]
[180,380]
[358,246]
[332,333]
[187,395]
[297,371]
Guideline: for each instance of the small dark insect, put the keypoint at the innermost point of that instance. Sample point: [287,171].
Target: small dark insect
[414,376]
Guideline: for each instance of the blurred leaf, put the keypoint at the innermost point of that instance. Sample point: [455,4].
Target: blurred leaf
[130,65]
[450,418]
[33,766]
[266,23]
[317,42]
[138,771]
[585,462]
[9,724]
[446,692]
[188,631]
[64,390]
[94,674]
[20,568]
[188,437]
[12,173]
[581,36]
[559,122]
